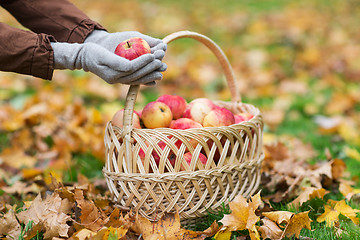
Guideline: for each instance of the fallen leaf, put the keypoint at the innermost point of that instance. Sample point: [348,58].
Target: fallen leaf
[48,213]
[270,229]
[279,217]
[297,222]
[114,233]
[87,213]
[21,188]
[347,191]
[9,226]
[307,194]
[352,153]
[243,215]
[167,228]
[338,167]
[83,234]
[223,234]
[334,208]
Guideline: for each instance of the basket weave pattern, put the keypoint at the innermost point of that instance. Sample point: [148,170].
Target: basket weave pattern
[145,169]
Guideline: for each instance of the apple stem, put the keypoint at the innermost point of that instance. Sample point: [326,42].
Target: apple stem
[128,44]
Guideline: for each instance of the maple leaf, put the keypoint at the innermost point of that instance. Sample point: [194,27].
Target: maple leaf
[334,208]
[279,217]
[9,225]
[49,213]
[307,194]
[89,215]
[167,228]
[347,190]
[243,215]
[270,229]
[297,222]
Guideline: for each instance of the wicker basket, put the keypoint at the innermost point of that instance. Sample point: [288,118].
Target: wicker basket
[234,156]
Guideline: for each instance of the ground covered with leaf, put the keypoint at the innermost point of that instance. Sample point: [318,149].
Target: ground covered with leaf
[298,61]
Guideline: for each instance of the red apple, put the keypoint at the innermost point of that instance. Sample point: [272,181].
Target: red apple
[156,115]
[118,117]
[132,48]
[184,123]
[219,117]
[188,158]
[177,104]
[240,117]
[171,157]
[198,109]
[217,155]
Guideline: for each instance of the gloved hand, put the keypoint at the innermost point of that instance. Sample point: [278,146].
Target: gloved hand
[111,40]
[112,68]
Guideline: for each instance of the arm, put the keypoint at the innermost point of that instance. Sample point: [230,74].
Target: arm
[25,52]
[58,18]
[69,26]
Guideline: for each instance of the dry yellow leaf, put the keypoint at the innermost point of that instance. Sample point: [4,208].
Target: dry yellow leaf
[112,232]
[167,228]
[279,217]
[243,215]
[352,153]
[347,190]
[223,234]
[297,222]
[307,194]
[334,208]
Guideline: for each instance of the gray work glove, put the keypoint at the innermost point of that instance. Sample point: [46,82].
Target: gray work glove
[111,40]
[107,65]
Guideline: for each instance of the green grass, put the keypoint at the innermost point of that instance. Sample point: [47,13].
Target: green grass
[87,165]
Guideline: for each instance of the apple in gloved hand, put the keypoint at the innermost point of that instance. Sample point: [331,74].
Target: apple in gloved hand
[132,48]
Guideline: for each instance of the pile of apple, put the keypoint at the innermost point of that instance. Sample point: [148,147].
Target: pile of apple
[172,111]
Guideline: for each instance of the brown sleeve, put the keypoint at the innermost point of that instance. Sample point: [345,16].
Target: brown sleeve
[58,18]
[25,52]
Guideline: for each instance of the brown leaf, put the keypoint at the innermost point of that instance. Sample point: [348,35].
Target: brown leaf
[9,226]
[116,219]
[297,222]
[279,217]
[48,213]
[88,214]
[307,194]
[33,231]
[270,229]
[214,228]
[21,188]
[168,227]
[338,167]
[277,151]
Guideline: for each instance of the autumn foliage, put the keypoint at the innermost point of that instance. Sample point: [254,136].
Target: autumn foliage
[298,61]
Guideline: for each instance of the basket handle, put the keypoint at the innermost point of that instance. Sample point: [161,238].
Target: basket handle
[134,89]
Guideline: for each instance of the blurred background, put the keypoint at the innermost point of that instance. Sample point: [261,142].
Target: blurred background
[298,61]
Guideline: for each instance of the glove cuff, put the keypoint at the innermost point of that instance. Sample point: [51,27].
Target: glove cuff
[95,36]
[66,55]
